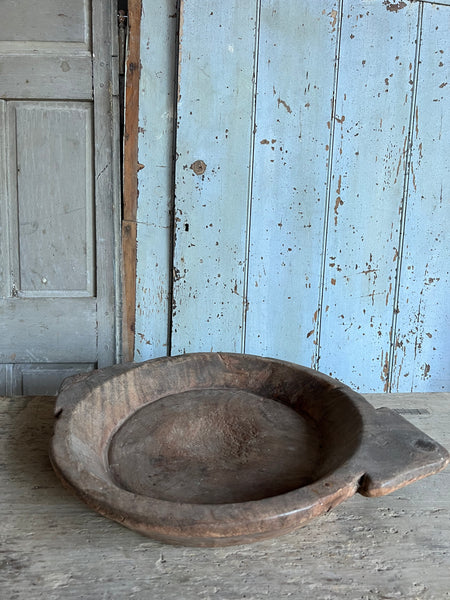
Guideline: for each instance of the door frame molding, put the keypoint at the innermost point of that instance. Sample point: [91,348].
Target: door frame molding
[107,179]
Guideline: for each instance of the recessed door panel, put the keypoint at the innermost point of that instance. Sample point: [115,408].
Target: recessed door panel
[55,198]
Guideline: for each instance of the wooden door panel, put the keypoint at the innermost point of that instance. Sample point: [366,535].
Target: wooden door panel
[46,77]
[34,379]
[59,203]
[48,330]
[45,50]
[45,21]
[53,197]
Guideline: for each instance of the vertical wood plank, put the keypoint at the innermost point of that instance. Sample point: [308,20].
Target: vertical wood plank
[214,146]
[130,168]
[3,389]
[295,93]
[423,323]
[372,121]
[159,59]
[106,198]
[4,237]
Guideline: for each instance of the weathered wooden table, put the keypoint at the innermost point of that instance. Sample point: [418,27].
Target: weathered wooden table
[53,547]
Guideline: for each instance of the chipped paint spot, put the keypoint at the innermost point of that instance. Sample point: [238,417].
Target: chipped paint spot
[286,106]
[394,6]
[333,14]
[339,202]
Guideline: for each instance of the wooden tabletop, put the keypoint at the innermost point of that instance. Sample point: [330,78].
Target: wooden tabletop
[53,547]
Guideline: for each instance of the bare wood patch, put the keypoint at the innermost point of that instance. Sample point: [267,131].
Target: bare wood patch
[130,182]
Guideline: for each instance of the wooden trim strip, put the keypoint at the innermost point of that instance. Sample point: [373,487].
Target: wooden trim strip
[130,182]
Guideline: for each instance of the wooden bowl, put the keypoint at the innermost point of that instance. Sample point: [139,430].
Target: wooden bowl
[214,449]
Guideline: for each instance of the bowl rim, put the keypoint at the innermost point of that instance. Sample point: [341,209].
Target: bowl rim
[165,518]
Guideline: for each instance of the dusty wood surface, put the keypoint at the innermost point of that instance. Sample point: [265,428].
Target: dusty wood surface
[53,547]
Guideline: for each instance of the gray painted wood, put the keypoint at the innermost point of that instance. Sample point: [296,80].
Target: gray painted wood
[46,77]
[55,211]
[4,234]
[46,378]
[48,330]
[65,21]
[3,386]
[60,205]
[45,50]
[54,547]
[116,182]
[106,169]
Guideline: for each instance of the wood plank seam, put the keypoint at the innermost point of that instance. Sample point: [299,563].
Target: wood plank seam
[404,204]
[251,176]
[130,182]
[315,359]
[176,95]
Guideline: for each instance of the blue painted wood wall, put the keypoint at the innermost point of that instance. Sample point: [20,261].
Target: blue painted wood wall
[294,200]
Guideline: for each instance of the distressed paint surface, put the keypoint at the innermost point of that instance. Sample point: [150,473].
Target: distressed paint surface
[214,145]
[154,213]
[308,216]
[371,126]
[59,193]
[293,106]
[422,344]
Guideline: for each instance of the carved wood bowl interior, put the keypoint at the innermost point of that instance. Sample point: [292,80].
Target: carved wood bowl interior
[216,449]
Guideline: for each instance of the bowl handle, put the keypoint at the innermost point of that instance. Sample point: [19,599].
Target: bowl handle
[395,453]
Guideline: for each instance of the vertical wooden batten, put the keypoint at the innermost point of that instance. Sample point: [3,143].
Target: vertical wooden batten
[130,169]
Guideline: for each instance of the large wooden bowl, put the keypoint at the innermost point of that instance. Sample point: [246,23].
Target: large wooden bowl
[216,449]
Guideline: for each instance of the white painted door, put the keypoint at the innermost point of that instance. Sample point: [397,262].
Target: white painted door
[58,192]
